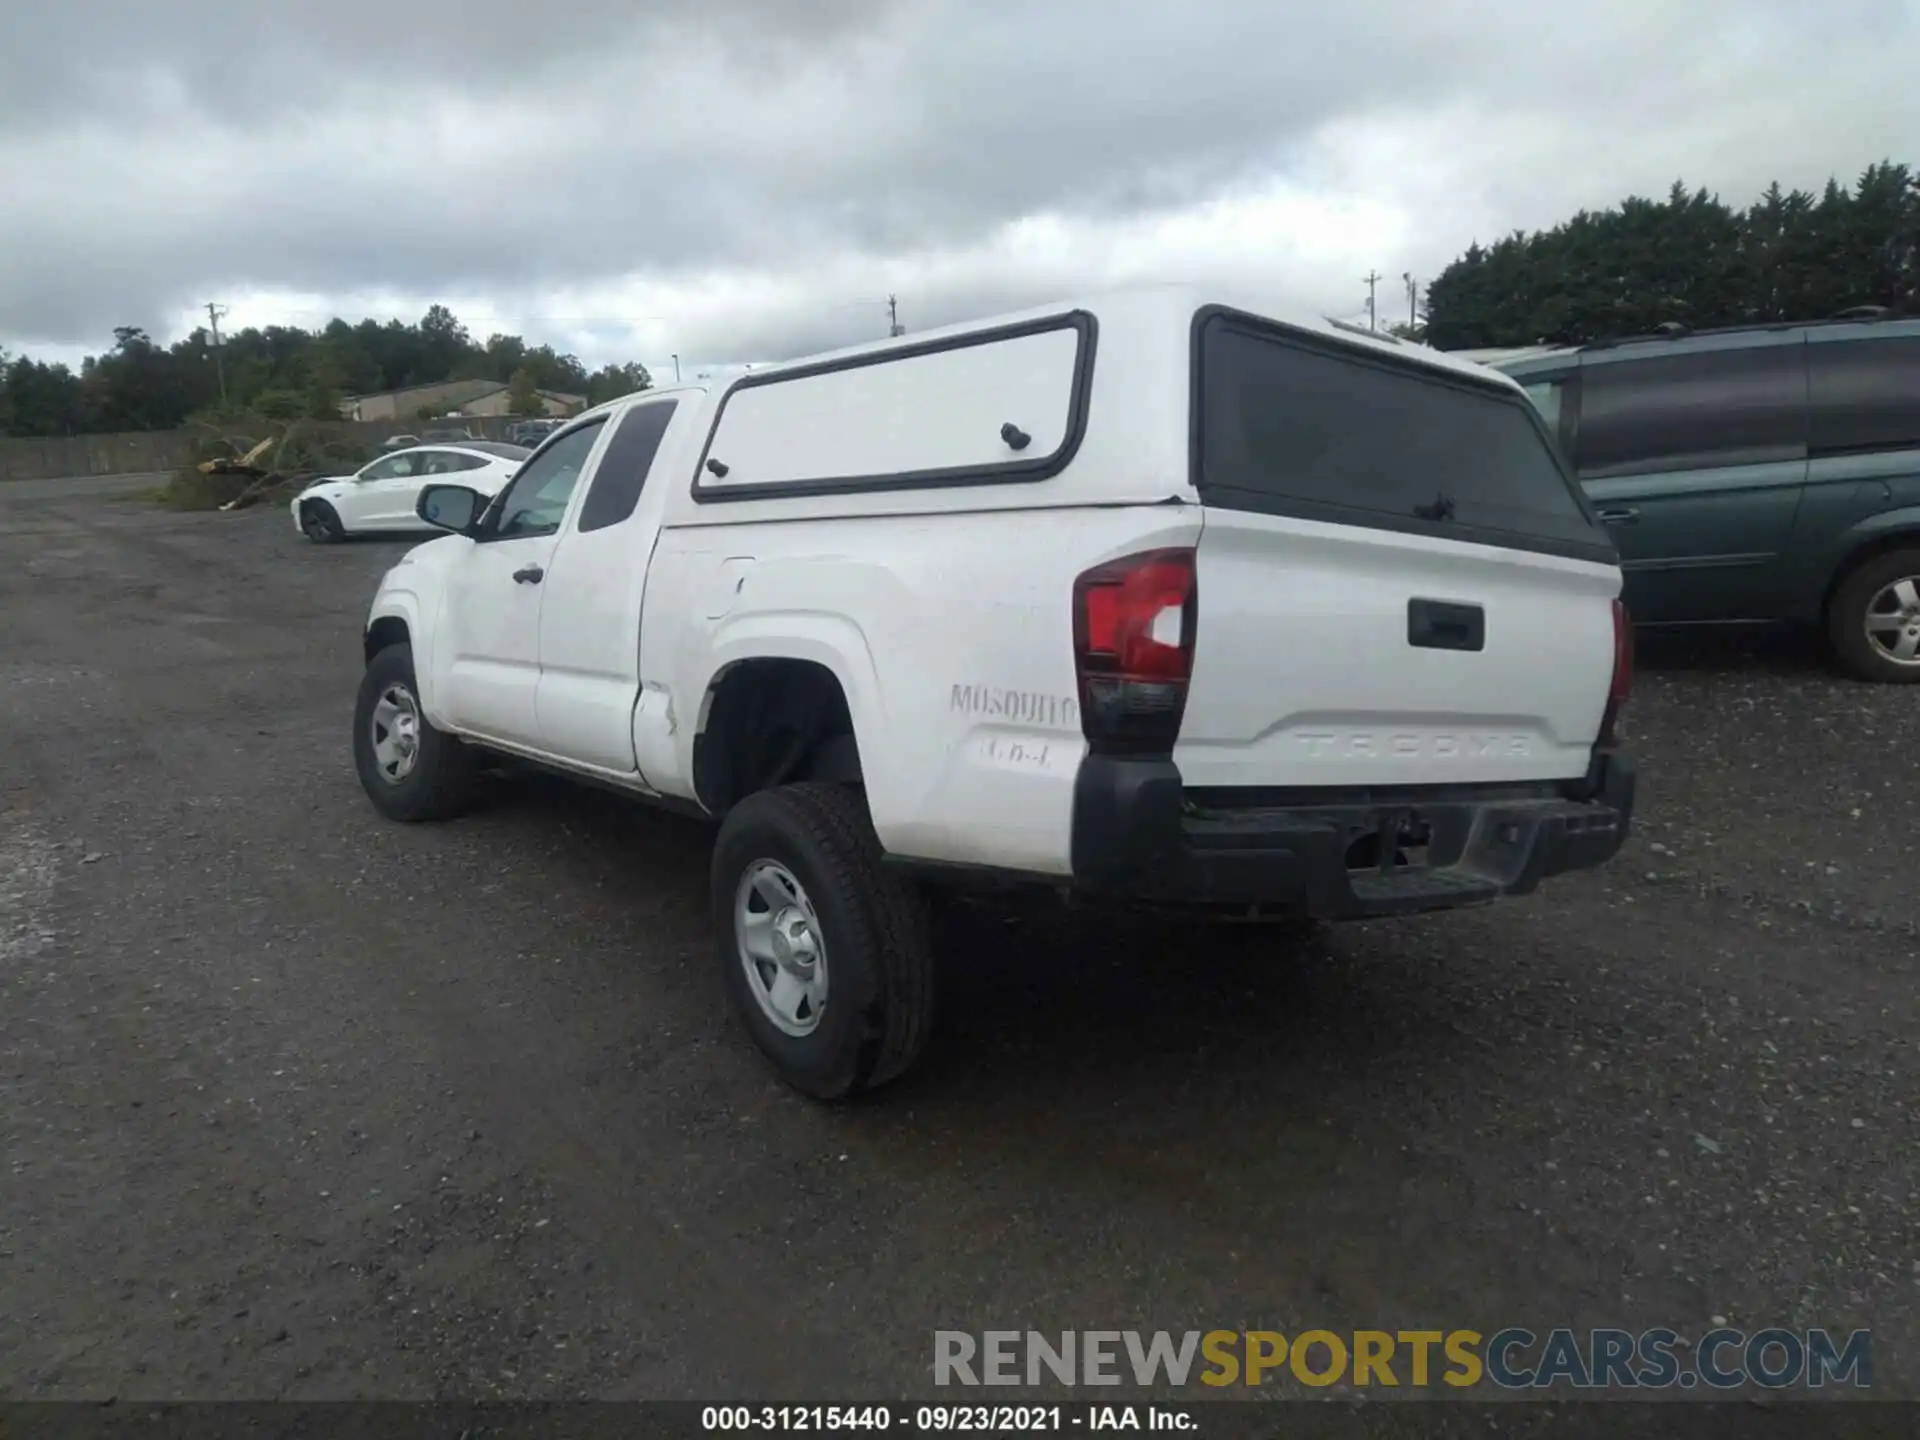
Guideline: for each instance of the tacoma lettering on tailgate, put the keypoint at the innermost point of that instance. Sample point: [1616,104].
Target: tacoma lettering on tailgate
[1361,745]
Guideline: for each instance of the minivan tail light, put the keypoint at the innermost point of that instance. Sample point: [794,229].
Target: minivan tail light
[1133,631]
[1621,686]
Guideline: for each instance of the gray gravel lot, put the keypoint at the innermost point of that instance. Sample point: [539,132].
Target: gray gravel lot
[297,1103]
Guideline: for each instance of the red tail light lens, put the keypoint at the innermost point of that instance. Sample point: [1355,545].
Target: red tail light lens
[1622,685]
[1133,631]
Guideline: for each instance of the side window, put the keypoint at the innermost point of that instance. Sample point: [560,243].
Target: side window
[537,499]
[1551,396]
[1865,395]
[1545,395]
[999,405]
[622,472]
[457,461]
[1692,411]
[391,468]
[440,462]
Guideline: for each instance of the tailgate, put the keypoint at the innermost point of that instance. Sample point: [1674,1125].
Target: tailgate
[1397,582]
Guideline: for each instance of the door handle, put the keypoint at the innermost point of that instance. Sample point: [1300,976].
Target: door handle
[1627,516]
[531,575]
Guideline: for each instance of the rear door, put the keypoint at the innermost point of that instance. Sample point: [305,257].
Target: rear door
[1398,583]
[1696,463]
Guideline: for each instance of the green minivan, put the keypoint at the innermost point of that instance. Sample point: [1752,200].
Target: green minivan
[1767,474]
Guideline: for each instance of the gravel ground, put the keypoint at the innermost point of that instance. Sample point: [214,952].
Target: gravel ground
[296,1103]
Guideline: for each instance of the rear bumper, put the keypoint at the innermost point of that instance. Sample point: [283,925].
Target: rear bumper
[1137,831]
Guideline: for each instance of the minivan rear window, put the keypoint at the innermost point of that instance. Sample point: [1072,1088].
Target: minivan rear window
[1292,425]
[1865,394]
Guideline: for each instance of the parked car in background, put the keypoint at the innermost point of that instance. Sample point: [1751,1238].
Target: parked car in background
[381,496]
[399,442]
[1760,475]
[445,434]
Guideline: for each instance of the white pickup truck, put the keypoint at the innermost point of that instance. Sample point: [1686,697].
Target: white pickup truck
[1154,597]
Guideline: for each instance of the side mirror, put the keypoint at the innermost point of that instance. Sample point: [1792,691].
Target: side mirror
[450,507]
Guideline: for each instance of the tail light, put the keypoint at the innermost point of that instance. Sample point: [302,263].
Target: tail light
[1133,630]
[1622,684]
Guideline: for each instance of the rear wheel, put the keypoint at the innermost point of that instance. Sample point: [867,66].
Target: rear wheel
[409,770]
[321,522]
[823,950]
[1873,620]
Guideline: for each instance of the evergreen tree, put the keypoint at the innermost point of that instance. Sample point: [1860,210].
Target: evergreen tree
[1689,259]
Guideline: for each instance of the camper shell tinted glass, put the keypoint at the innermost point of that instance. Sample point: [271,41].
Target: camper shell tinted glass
[1292,424]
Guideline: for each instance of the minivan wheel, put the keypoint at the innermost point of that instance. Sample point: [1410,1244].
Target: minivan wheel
[823,950]
[1874,618]
[409,770]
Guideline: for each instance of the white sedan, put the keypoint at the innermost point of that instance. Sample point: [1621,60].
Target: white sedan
[380,497]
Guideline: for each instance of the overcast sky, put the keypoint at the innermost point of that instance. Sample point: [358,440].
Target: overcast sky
[750,178]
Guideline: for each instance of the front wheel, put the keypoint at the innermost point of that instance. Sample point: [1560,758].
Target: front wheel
[823,950]
[321,523]
[1874,619]
[409,770]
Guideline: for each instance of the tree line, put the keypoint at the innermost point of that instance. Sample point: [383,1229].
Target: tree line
[284,373]
[1690,259]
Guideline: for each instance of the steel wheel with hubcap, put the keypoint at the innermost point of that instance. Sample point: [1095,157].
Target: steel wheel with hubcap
[778,936]
[409,770]
[798,885]
[395,733]
[1874,618]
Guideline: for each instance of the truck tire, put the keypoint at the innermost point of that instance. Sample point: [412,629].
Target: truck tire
[409,770]
[1875,616]
[824,951]
[321,523]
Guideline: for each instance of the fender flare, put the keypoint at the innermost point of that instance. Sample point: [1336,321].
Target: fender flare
[404,606]
[833,642]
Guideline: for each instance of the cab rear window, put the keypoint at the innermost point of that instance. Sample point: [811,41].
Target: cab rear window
[1289,424]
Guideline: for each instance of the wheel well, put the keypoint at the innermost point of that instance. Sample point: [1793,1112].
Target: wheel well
[772,722]
[387,630]
[1859,555]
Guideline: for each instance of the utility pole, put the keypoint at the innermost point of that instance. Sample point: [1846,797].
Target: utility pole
[214,312]
[1413,299]
[676,369]
[1373,279]
[894,327]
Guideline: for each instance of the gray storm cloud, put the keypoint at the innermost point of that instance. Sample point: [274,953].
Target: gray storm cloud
[157,156]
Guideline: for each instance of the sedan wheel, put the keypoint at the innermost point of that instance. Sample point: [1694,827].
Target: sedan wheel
[321,523]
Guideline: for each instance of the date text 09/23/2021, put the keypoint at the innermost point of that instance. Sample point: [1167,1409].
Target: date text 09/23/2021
[947,1419]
